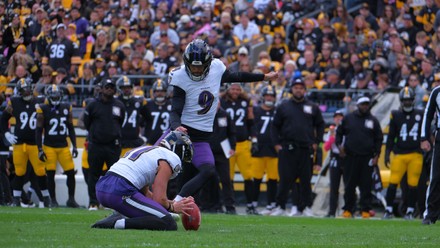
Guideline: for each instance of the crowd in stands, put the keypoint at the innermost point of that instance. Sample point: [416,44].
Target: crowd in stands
[78,43]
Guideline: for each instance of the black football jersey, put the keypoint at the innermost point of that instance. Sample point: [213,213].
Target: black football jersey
[135,110]
[263,122]
[25,118]
[404,131]
[160,120]
[238,111]
[61,53]
[55,123]
[163,66]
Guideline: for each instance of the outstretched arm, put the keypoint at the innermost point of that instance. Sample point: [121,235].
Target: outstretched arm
[229,77]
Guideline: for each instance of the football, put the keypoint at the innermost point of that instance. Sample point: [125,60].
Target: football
[192,222]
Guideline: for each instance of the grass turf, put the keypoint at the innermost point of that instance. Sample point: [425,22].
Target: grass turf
[64,227]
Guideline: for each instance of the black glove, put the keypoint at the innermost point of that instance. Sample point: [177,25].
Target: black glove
[387,159]
[42,155]
[74,152]
[254,148]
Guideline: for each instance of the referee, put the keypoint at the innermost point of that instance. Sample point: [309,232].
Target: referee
[103,119]
[297,129]
[432,211]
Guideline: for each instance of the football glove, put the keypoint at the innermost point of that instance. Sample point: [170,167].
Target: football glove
[387,160]
[42,155]
[12,139]
[254,147]
[74,152]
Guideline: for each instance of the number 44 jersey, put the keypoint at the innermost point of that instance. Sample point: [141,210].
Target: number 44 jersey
[55,124]
[404,131]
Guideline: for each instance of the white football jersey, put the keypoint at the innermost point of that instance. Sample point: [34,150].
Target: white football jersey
[139,166]
[201,96]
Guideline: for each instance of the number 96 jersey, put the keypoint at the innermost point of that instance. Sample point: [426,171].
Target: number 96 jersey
[55,124]
[25,118]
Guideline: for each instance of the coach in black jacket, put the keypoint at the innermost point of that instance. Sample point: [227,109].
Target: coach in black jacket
[103,120]
[359,139]
[297,129]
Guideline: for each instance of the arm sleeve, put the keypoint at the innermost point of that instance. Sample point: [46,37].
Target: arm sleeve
[391,135]
[231,133]
[328,144]
[378,138]
[5,122]
[72,134]
[276,126]
[177,103]
[340,133]
[319,125]
[229,77]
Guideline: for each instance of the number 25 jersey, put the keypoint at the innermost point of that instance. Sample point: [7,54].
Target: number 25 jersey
[55,124]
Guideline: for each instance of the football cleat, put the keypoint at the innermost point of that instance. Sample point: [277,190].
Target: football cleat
[308,212]
[427,222]
[231,211]
[252,211]
[47,202]
[409,216]
[365,215]
[267,211]
[16,202]
[278,212]
[387,215]
[294,212]
[71,203]
[109,221]
[93,207]
[54,203]
[347,214]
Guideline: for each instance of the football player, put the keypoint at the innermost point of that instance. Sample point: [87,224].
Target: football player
[54,119]
[22,108]
[196,87]
[404,141]
[126,186]
[159,107]
[264,156]
[136,114]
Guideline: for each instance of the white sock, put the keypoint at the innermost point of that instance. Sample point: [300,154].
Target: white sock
[45,192]
[410,210]
[178,198]
[294,208]
[120,224]
[255,204]
[389,209]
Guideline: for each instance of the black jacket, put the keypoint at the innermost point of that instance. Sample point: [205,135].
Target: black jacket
[361,134]
[224,128]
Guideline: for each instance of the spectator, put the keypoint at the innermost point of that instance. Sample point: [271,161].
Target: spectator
[13,36]
[46,80]
[164,62]
[62,53]
[360,151]
[103,120]
[102,46]
[82,26]
[246,31]
[164,28]
[121,39]
[414,84]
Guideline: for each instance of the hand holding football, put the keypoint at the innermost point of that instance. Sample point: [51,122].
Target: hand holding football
[193,220]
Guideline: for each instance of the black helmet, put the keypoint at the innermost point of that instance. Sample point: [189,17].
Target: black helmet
[124,81]
[407,97]
[197,53]
[54,94]
[180,144]
[159,85]
[24,88]
[268,90]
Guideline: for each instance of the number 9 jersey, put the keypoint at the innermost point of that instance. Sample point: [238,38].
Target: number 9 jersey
[201,98]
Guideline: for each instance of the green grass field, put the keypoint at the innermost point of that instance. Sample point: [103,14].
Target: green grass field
[64,227]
